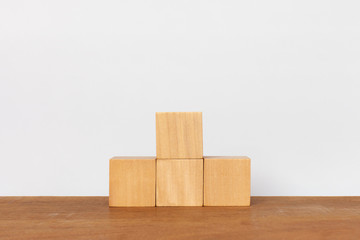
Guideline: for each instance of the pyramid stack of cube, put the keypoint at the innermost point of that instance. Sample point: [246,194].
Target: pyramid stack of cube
[179,175]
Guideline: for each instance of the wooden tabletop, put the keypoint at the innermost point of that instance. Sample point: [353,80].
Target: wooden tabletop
[267,218]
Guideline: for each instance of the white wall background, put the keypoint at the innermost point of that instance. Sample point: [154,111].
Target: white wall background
[80,82]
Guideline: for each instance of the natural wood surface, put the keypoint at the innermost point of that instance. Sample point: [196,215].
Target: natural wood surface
[267,218]
[226,181]
[179,182]
[132,181]
[179,135]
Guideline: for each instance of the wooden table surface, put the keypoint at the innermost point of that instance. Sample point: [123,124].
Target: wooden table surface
[267,218]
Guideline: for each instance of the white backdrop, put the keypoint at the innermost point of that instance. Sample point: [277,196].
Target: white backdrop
[80,82]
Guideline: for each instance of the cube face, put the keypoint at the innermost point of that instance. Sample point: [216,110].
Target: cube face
[132,182]
[226,181]
[179,135]
[179,182]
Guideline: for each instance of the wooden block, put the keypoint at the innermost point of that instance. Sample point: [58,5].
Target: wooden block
[179,182]
[179,135]
[132,182]
[226,181]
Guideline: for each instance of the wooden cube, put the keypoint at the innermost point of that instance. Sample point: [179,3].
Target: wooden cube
[179,135]
[179,182]
[132,182]
[226,181]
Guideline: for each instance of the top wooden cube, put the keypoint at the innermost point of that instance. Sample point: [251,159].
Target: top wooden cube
[179,135]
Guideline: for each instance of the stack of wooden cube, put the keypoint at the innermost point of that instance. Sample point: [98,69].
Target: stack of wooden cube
[179,175]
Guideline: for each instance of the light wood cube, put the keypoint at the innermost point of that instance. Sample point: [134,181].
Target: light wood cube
[132,182]
[179,182]
[226,181]
[179,135]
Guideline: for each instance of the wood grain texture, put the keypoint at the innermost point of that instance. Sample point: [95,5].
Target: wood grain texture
[268,218]
[179,182]
[179,135]
[226,181]
[132,182]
